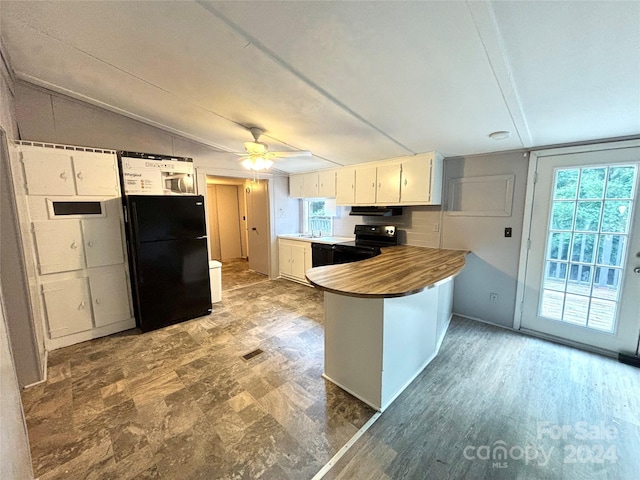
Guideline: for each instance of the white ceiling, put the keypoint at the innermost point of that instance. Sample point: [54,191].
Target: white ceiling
[350,81]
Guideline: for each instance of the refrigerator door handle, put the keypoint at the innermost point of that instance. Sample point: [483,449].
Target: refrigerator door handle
[201,237]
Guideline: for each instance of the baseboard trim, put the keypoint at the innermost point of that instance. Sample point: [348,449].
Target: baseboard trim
[549,338]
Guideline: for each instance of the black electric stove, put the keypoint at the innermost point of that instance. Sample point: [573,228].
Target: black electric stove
[369,240]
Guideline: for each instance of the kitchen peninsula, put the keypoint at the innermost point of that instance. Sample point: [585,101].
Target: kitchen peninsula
[385,318]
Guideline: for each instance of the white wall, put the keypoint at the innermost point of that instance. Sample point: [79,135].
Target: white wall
[15,459]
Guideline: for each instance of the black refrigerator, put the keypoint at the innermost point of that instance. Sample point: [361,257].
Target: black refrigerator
[167,244]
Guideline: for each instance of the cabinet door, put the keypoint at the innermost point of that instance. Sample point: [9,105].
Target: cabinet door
[416,180]
[310,185]
[59,246]
[297,261]
[388,189]
[327,183]
[110,297]
[68,307]
[284,259]
[296,186]
[95,174]
[48,173]
[345,186]
[102,242]
[366,185]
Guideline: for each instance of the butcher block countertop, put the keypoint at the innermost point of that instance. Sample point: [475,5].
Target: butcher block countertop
[398,271]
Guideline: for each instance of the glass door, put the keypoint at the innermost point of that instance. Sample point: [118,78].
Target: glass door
[582,280]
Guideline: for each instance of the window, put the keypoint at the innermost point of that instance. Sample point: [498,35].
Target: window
[318,217]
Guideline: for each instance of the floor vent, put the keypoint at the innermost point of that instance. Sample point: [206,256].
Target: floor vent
[250,355]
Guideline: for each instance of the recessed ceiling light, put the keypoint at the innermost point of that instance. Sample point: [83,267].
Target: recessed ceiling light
[500,135]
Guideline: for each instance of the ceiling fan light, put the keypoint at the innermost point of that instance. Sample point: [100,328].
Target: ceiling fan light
[257,163]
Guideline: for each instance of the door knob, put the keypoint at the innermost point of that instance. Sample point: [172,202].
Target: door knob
[636,270]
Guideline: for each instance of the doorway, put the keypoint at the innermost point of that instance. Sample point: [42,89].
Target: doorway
[227,218]
[239,221]
[582,274]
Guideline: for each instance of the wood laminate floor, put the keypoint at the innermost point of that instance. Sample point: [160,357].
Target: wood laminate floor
[495,404]
[181,403]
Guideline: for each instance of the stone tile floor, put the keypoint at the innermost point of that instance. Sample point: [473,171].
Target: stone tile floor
[181,403]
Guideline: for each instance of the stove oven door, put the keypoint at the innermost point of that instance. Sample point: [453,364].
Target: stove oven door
[347,254]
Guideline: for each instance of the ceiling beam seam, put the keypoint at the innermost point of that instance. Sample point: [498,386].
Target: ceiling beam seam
[483,18]
[119,110]
[278,60]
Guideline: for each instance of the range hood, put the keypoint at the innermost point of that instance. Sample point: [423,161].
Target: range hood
[376,211]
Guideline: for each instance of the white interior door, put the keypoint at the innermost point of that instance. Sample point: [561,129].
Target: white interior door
[258,222]
[582,281]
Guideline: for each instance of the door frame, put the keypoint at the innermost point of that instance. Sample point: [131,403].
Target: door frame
[201,189]
[535,155]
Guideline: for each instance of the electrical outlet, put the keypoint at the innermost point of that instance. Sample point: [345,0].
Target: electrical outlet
[436,227]
[493,297]
[508,232]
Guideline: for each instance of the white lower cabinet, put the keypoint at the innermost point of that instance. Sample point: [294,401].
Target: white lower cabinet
[71,219]
[110,298]
[68,306]
[80,304]
[294,258]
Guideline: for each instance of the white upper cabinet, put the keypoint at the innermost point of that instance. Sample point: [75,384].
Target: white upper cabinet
[296,186]
[310,185]
[421,182]
[365,185]
[388,184]
[95,174]
[102,242]
[409,180]
[327,183]
[48,174]
[70,173]
[345,186]
[313,185]
[59,246]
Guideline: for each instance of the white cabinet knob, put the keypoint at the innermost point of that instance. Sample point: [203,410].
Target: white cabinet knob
[63,175]
[380,185]
[405,181]
[79,175]
[73,245]
[97,301]
[81,306]
[90,243]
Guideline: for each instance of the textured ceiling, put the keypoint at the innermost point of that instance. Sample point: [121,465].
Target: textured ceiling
[350,81]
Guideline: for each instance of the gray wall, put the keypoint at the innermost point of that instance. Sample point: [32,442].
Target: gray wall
[492,267]
[15,459]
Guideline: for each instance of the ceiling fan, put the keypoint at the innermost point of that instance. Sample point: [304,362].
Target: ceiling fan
[258,157]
